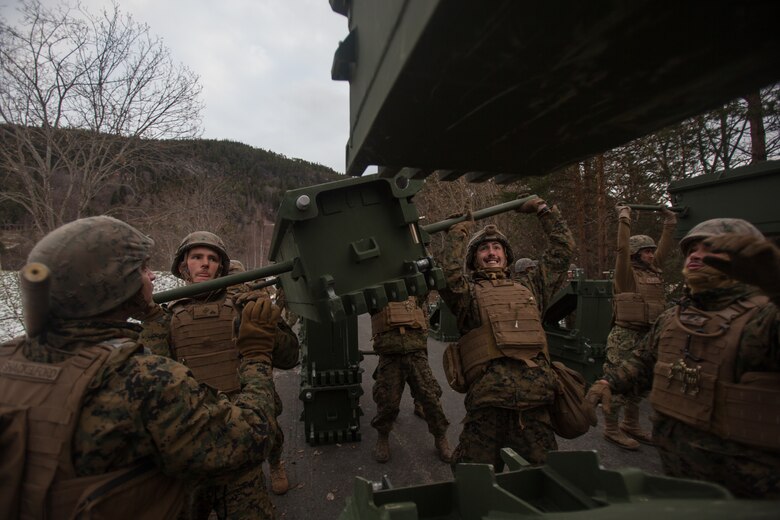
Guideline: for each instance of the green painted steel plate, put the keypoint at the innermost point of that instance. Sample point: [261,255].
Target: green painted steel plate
[523,88]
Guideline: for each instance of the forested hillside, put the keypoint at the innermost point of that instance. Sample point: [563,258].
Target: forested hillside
[167,189]
[98,117]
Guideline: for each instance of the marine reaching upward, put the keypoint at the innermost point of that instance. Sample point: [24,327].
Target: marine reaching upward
[199,332]
[712,363]
[502,358]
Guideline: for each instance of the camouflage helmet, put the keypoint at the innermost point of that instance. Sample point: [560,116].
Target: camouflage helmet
[638,242]
[201,239]
[489,233]
[95,264]
[717,226]
[524,264]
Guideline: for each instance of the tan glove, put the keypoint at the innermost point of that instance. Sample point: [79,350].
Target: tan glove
[623,211]
[249,295]
[467,226]
[257,330]
[465,213]
[535,205]
[600,392]
[752,260]
[670,217]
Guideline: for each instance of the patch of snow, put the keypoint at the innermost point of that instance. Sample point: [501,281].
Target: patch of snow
[11,321]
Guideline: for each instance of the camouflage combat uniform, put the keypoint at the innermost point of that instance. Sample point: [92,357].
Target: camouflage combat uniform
[624,336]
[183,427]
[506,406]
[146,407]
[403,360]
[246,495]
[691,448]
[108,426]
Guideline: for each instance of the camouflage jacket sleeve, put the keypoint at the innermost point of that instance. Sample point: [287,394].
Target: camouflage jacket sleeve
[623,279]
[554,265]
[665,244]
[152,407]
[155,335]
[285,338]
[457,294]
[284,334]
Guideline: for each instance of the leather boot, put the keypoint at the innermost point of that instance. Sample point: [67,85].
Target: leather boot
[279,482]
[630,425]
[418,410]
[613,434]
[443,447]
[382,449]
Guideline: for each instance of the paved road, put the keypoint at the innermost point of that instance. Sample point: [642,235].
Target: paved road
[322,477]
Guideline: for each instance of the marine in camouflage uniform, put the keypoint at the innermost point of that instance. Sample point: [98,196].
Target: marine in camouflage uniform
[638,298]
[198,332]
[138,420]
[508,394]
[400,335]
[713,363]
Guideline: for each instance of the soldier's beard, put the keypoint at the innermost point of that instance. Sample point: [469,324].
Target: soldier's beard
[706,278]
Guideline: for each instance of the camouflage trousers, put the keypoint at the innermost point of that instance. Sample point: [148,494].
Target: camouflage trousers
[487,430]
[621,344]
[243,497]
[687,452]
[392,374]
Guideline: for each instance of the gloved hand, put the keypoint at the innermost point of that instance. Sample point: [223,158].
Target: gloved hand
[465,213]
[243,297]
[600,392]
[752,260]
[467,226]
[623,211]
[670,217]
[257,330]
[535,205]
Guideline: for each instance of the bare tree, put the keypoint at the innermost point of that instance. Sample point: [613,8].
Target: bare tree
[82,97]
[200,199]
[757,130]
[744,130]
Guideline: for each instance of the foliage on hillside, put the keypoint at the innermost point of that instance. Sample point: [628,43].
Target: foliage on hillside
[179,186]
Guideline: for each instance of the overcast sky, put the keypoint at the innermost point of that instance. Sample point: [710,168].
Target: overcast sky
[264,66]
